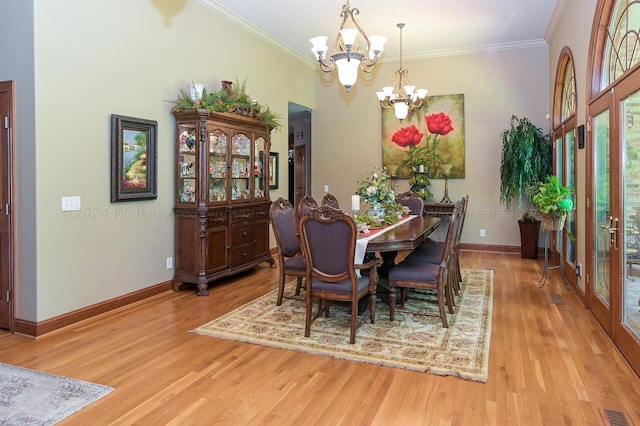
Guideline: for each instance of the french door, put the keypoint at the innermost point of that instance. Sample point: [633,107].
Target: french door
[613,287]
[564,168]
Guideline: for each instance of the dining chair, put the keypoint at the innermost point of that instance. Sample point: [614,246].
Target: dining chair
[305,204]
[411,200]
[421,275]
[330,200]
[328,238]
[290,259]
[431,251]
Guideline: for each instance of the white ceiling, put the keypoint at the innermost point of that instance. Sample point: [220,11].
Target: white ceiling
[433,27]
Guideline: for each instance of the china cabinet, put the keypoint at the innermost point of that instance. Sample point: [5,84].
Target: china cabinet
[221,196]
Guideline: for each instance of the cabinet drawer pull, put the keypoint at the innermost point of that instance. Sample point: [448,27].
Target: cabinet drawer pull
[244,234]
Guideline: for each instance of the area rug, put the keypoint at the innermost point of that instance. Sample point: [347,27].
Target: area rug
[29,397]
[414,342]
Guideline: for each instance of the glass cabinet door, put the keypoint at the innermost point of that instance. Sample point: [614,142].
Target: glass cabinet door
[259,189]
[187,163]
[217,166]
[240,167]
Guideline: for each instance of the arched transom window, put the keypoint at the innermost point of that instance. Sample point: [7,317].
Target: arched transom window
[622,49]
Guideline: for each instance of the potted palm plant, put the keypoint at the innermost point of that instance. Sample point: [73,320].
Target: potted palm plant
[553,201]
[526,160]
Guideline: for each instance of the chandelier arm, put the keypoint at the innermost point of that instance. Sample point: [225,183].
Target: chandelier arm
[345,13]
[326,66]
[385,104]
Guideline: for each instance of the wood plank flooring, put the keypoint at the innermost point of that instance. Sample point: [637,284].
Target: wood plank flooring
[550,364]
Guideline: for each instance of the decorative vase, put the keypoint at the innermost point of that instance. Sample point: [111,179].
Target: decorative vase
[376,210]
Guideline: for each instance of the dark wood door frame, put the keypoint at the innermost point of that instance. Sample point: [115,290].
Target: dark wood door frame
[300,172]
[7,225]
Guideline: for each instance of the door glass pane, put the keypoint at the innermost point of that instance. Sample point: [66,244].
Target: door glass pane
[631,200]
[560,174]
[240,166]
[602,207]
[570,226]
[217,166]
[187,163]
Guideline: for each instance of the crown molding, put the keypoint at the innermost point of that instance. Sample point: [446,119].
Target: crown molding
[238,20]
[469,50]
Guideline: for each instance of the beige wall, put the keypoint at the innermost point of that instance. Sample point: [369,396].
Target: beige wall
[119,57]
[94,59]
[573,30]
[347,128]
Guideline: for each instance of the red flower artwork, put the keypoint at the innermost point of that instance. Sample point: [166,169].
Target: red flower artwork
[439,124]
[407,136]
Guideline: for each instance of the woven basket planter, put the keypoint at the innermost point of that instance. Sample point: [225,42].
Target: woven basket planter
[553,223]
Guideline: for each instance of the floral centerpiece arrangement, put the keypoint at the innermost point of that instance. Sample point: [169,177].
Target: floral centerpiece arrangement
[375,189]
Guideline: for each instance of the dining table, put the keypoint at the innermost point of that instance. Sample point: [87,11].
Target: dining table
[407,235]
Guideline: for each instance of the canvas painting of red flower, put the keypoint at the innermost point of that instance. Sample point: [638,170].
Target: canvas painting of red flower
[431,136]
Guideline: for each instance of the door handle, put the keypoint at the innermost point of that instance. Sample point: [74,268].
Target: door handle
[612,228]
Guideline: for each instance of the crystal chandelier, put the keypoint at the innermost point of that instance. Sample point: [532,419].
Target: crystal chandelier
[345,56]
[407,96]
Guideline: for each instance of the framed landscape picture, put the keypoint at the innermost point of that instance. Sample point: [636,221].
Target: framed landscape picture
[133,158]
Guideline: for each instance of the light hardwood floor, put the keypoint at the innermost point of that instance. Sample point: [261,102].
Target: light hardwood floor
[550,364]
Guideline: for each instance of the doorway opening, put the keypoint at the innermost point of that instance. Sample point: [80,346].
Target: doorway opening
[299,152]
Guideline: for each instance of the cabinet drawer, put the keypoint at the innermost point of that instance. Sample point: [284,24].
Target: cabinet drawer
[241,255]
[242,234]
[242,214]
[261,211]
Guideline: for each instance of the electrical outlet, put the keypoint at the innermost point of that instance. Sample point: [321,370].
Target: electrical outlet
[326,188]
[169,262]
[71,204]
[482,233]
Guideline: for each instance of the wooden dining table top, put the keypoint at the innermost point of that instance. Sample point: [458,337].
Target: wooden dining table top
[406,236]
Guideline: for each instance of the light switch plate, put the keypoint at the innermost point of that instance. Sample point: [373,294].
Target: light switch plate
[71,203]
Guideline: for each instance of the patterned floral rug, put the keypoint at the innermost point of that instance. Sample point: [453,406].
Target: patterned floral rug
[29,397]
[414,342]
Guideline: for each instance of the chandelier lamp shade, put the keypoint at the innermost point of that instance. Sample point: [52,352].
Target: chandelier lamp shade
[402,96]
[348,54]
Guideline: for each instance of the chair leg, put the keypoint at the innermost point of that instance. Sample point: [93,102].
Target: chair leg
[450,290]
[404,291]
[307,323]
[448,297]
[392,300]
[354,321]
[443,315]
[280,287]
[454,278]
[372,306]
[298,286]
